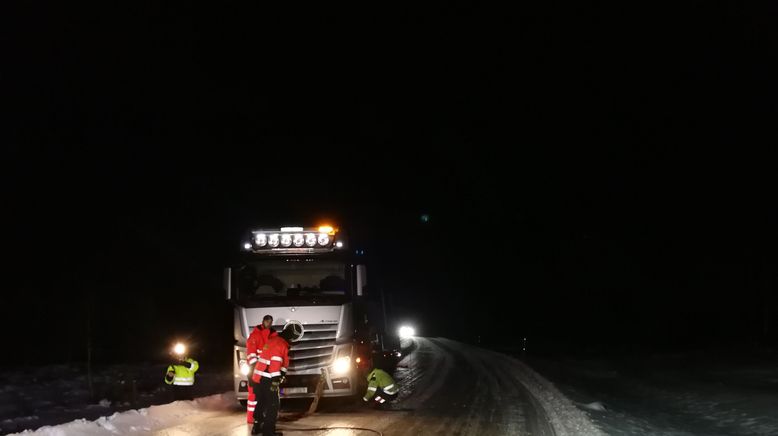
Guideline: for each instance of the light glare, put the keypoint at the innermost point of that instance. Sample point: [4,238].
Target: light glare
[407,332]
[341,366]
[179,349]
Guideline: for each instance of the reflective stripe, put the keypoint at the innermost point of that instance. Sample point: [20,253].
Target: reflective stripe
[252,403]
[269,374]
[266,362]
[277,358]
[371,388]
[382,401]
[252,354]
[183,378]
[252,361]
[283,369]
[389,387]
[250,409]
[183,383]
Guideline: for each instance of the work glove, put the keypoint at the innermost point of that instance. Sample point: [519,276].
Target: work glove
[283,377]
[274,386]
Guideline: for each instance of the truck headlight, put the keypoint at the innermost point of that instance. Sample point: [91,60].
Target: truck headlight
[310,239]
[407,332]
[244,367]
[341,365]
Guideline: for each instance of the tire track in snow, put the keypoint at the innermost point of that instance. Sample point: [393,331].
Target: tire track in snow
[500,401]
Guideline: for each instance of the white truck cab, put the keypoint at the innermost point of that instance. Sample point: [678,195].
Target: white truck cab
[310,277]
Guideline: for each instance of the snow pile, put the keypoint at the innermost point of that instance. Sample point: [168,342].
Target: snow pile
[679,395]
[31,397]
[142,421]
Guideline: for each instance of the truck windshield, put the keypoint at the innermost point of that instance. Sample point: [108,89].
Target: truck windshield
[291,280]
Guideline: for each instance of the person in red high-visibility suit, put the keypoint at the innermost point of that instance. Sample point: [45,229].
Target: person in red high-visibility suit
[256,341]
[268,376]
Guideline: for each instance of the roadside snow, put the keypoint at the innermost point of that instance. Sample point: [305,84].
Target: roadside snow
[679,395]
[564,417]
[31,397]
[142,421]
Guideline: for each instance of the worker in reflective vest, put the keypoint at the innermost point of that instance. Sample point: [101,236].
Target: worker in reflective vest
[380,387]
[182,377]
[256,341]
[269,373]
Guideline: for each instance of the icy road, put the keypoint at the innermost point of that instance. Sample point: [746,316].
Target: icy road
[447,388]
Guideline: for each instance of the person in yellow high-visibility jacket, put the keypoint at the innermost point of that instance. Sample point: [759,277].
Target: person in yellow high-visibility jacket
[380,388]
[182,377]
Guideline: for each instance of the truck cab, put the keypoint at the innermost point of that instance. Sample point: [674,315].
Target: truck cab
[306,276]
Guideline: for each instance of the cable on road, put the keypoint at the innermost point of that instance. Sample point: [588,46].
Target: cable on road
[330,428]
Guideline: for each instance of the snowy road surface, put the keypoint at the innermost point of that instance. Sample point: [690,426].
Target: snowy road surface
[447,388]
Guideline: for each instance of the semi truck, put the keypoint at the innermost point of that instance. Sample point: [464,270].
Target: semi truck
[307,276]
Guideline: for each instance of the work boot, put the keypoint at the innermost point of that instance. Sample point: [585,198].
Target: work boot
[256,428]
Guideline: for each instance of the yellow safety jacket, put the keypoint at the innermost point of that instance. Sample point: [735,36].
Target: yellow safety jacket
[184,375]
[379,379]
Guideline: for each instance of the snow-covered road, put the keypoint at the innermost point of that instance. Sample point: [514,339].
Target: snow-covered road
[447,388]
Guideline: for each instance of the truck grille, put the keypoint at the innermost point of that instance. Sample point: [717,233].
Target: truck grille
[315,349]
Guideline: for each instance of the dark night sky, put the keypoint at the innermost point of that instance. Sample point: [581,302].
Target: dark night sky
[611,162]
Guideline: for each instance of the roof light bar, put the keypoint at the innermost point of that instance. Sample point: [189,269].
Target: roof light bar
[295,239]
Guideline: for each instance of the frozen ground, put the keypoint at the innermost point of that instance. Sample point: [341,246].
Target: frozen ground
[447,388]
[31,398]
[684,394]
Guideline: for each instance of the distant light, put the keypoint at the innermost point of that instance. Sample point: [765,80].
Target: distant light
[291,229]
[339,244]
[407,332]
[179,349]
[358,360]
[326,229]
[399,354]
[425,218]
[247,246]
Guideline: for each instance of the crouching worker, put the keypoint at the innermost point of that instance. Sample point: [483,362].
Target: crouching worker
[380,388]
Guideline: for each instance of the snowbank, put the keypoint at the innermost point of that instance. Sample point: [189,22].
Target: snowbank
[31,397]
[142,421]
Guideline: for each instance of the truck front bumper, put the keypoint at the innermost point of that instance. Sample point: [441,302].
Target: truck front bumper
[304,385]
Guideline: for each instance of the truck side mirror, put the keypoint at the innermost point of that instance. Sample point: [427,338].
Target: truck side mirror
[228,282]
[361,279]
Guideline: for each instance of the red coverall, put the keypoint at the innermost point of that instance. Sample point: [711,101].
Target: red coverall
[254,345]
[271,367]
